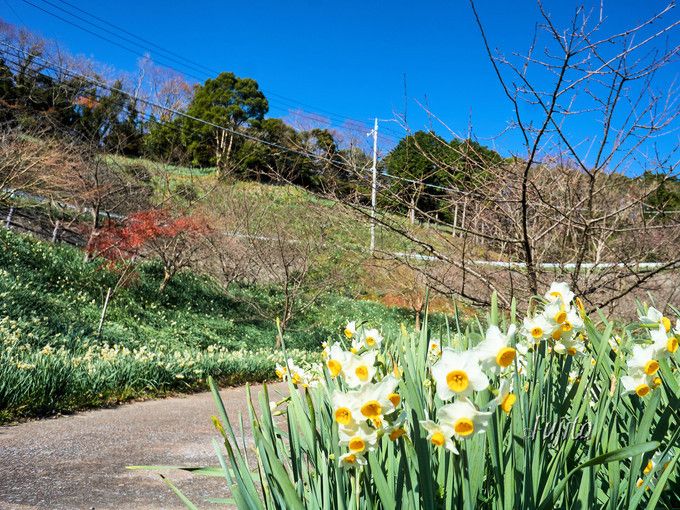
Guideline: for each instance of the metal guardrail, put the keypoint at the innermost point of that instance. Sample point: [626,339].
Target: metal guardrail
[74,238]
[568,266]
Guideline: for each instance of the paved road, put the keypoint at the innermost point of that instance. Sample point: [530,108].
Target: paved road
[78,461]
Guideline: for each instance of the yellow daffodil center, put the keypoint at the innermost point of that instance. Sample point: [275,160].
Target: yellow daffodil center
[648,467]
[377,423]
[657,381]
[280,372]
[457,380]
[567,326]
[651,367]
[397,433]
[464,427]
[560,317]
[362,372]
[639,483]
[438,439]
[351,458]
[348,333]
[557,334]
[394,398]
[343,415]
[672,344]
[370,341]
[642,390]
[571,351]
[508,402]
[537,332]
[505,356]
[666,323]
[556,294]
[334,367]
[296,378]
[357,444]
[371,409]
[353,350]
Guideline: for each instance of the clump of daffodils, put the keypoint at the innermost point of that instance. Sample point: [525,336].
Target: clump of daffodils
[303,377]
[367,404]
[644,362]
[559,322]
[363,378]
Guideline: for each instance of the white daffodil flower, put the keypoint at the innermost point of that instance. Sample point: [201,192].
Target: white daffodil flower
[358,439]
[654,316]
[464,418]
[664,345]
[338,359]
[439,435]
[371,339]
[458,373]
[345,409]
[494,352]
[556,312]
[574,321]
[357,345]
[398,428]
[560,291]
[350,330]
[281,371]
[639,383]
[394,432]
[571,345]
[536,328]
[434,348]
[360,369]
[351,460]
[644,359]
[374,401]
[298,375]
[505,399]
[658,462]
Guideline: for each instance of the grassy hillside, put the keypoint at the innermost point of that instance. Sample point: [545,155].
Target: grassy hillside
[52,360]
[343,226]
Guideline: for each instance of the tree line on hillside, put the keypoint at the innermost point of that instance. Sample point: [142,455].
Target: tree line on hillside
[221,123]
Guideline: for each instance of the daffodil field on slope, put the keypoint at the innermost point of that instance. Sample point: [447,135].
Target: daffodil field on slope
[547,411]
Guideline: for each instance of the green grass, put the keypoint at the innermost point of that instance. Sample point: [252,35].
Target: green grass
[52,360]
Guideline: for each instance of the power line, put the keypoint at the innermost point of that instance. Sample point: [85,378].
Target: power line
[111,88]
[173,57]
[247,136]
[142,39]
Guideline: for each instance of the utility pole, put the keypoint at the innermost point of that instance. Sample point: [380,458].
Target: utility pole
[374,187]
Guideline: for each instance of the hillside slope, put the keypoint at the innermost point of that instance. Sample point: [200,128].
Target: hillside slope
[53,360]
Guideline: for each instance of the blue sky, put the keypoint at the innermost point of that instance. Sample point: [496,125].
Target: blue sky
[346,58]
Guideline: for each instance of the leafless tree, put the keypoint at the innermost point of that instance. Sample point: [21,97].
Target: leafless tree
[564,205]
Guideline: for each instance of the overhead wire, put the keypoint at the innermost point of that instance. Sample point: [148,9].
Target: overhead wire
[57,67]
[177,59]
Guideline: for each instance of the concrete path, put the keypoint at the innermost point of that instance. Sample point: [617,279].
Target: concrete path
[78,461]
